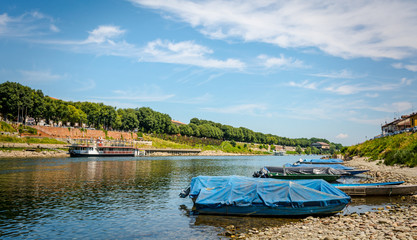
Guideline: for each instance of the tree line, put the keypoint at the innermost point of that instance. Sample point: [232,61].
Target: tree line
[17,102]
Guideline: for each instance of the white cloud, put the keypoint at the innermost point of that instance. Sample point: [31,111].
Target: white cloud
[394,107]
[147,93]
[343,74]
[39,76]
[305,84]
[340,28]
[409,67]
[342,136]
[26,25]
[349,89]
[280,62]
[104,33]
[243,109]
[186,52]
[104,41]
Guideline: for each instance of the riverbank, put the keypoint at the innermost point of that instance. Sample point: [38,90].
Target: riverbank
[382,173]
[390,222]
[41,151]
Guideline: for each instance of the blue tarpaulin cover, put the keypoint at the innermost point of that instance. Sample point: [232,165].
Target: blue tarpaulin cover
[218,191]
[335,166]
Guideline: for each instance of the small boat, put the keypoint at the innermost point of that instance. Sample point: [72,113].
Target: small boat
[235,195]
[328,174]
[377,189]
[349,170]
[320,161]
[366,184]
[335,166]
[280,153]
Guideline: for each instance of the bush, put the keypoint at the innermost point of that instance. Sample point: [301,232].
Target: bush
[5,127]
[27,129]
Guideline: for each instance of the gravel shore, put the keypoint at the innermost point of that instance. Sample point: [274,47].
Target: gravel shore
[390,222]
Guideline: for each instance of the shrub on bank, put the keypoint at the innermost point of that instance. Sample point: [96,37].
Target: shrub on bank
[397,149]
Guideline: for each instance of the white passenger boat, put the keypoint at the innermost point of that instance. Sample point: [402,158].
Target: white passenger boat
[101,148]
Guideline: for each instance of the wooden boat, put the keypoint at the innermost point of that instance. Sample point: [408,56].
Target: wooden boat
[235,195]
[375,189]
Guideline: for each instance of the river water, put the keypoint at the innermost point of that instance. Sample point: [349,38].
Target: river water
[122,198]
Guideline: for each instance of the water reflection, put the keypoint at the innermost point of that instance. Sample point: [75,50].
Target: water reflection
[118,197]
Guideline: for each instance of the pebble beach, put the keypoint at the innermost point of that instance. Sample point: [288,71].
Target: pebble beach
[398,221]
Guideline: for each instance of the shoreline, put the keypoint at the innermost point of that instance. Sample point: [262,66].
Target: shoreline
[50,153]
[390,222]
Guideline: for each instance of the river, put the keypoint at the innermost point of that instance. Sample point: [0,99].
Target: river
[121,198]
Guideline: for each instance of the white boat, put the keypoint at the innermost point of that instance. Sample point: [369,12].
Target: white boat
[279,153]
[101,148]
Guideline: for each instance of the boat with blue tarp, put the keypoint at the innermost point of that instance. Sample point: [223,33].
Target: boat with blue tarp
[236,195]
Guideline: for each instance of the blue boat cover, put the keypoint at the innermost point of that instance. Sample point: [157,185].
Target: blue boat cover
[335,166]
[324,161]
[218,191]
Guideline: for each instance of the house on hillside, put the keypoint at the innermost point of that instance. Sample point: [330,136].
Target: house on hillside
[321,145]
[403,123]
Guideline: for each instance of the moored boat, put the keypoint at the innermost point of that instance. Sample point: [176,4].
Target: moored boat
[101,148]
[328,174]
[320,161]
[378,189]
[349,170]
[235,195]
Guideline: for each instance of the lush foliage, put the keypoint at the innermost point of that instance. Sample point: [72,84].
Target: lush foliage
[5,127]
[397,149]
[17,102]
[26,129]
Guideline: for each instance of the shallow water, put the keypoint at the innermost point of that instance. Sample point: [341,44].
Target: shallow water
[121,198]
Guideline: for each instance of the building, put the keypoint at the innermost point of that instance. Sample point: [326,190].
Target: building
[321,145]
[403,123]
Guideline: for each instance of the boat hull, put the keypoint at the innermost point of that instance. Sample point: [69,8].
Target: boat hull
[273,212]
[379,190]
[328,178]
[102,154]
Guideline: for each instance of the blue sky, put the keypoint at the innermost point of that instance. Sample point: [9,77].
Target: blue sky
[330,69]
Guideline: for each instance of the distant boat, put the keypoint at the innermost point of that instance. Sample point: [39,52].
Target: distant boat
[101,148]
[280,153]
[377,189]
[328,174]
[235,195]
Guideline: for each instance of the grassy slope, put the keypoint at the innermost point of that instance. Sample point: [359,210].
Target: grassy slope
[225,146]
[9,139]
[397,149]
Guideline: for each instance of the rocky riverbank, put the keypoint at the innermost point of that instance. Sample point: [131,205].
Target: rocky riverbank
[390,222]
[382,173]
[393,222]
[33,153]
